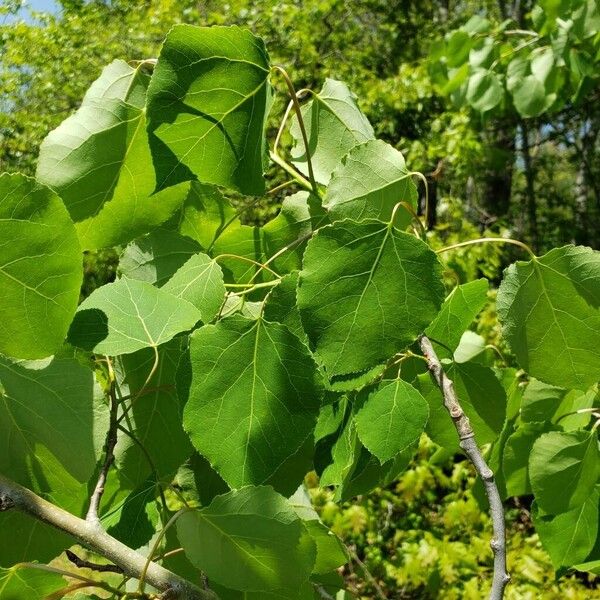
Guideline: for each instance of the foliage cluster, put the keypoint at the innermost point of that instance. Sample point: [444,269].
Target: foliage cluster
[426,535]
[228,360]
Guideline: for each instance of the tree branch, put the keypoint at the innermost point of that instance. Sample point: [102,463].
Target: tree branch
[109,448]
[14,496]
[468,444]
[86,564]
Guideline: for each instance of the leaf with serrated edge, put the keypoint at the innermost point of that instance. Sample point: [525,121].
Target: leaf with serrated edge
[155,257]
[392,418]
[253,400]
[155,418]
[51,426]
[280,305]
[334,125]
[36,540]
[458,311]
[134,518]
[564,467]
[259,536]
[366,291]
[371,179]
[330,550]
[98,161]
[515,457]
[208,217]
[200,282]
[549,308]
[19,583]
[128,315]
[569,537]
[40,268]
[207,105]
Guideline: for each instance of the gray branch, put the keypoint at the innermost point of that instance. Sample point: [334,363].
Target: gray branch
[468,444]
[109,449]
[14,496]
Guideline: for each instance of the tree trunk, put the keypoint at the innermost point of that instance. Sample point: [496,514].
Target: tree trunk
[530,201]
[497,178]
[581,233]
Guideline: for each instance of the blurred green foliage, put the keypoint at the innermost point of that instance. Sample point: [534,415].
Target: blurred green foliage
[426,537]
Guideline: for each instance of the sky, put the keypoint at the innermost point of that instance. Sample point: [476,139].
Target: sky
[44,5]
[34,5]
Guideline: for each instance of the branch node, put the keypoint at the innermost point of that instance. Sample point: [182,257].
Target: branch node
[469,445]
[85,564]
[97,540]
[455,411]
[6,502]
[109,448]
[170,594]
[487,474]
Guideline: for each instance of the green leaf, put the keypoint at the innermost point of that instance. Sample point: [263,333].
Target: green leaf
[530,97]
[253,400]
[205,214]
[516,71]
[155,257]
[366,291]
[40,268]
[134,519]
[120,81]
[367,473]
[470,346]
[458,47]
[330,550]
[484,90]
[458,311]
[566,414]
[564,468]
[569,537]
[549,309]
[209,218]
[280,306]
[477,24]
[343,450]
[36,541]
[198,481]
[128,315]
[306,592]
[355,381]
[540,401]
[331,417]
[334,125]
[207,104]
[371,179]
[391,419]
[262,544]
[515,460]
[542,63]
[98,161]
[482,397]
[483,54]
[456,80]
[51,427]
[18,583]
[155,417]
[300,215]
[592,566]
[200,282]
